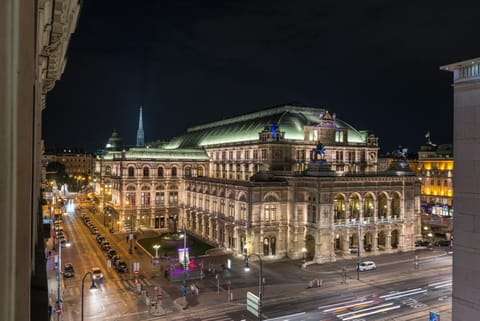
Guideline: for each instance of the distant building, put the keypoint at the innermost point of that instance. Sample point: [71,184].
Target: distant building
[272,182]
[435,169]
[76,162]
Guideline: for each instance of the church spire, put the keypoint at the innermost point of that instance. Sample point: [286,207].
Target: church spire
[140,134]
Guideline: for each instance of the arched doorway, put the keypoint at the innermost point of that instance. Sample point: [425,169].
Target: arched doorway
[382,240]
[395,239]
[310,246]
[338,244]
[368,242]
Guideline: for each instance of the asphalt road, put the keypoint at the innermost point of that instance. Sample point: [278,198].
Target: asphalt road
[396,290]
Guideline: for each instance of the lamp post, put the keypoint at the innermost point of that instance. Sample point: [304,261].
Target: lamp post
[260,281]
[358,250]
[131,226]
[59,279]
[92,286]
[185,265]
[156,247]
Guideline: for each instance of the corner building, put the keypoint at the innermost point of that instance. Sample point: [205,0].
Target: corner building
[279,182]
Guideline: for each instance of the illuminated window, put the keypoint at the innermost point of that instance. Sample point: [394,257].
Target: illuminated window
[231,209]
[159,198]
[222,206]
[243,211]
[173,197]
[339,156]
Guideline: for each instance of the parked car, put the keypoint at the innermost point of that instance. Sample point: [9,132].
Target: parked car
[121,266]
[114,259]
[442,243]
[367,265]
[97,273]
[68,270]
[106,246]
[111,253]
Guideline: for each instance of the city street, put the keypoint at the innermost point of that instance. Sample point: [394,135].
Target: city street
[397,289]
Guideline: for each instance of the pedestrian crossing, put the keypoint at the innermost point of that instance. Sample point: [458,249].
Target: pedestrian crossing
[75,290]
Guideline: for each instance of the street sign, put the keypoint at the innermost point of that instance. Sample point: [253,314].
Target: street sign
[253,304]
[434,316]
[136,267]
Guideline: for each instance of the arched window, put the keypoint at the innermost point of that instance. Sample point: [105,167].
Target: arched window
[200,171]
[188,171]
[174,172]
[160,172]
[131,171]
[146,171]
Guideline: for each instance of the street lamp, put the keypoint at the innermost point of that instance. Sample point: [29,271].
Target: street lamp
[131,226]
[92,286]
[156,247]
[260,281]
[59,279]
[358,250]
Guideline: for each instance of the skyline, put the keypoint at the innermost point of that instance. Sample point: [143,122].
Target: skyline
[374,64]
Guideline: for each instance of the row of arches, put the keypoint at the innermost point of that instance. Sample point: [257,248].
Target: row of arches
[367,207]
[369,241]
[147,171]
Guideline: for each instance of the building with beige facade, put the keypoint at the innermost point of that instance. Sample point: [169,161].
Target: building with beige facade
[279,182]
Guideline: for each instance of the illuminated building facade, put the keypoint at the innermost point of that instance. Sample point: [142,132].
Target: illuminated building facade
[435,169]
[271,182]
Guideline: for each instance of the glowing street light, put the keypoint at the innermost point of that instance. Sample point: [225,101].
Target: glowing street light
[156,247]
[260,279]
[93,287]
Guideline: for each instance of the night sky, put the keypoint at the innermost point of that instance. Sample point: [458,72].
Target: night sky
[373,63]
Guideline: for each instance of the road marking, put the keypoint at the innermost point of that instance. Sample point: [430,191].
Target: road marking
[287,316]
[443,285]
[405,294]
[340,303]
[371,313]
[348,306]
[366,309]
[439,283]
[398,292]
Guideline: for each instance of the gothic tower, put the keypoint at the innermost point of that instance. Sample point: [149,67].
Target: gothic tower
[140,134]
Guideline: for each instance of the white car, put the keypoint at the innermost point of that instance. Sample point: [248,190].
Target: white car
[97,273]
[367,265]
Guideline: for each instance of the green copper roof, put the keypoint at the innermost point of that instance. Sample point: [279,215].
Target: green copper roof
[159,154]
[291,120]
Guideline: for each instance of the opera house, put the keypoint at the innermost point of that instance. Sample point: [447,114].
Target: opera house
[287,181]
